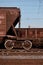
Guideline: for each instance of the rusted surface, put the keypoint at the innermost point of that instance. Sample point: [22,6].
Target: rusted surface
[35,35]
[30,33]
[8,17]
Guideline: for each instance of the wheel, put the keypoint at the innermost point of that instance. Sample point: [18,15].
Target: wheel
[9,44]
[27,45]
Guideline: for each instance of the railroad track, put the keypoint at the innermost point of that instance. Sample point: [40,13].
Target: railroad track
[21,57]
[21,52]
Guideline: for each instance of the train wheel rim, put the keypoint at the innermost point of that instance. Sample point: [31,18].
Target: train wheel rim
[27,45]
[10,44]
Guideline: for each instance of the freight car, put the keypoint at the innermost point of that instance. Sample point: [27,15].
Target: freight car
[12,37]
[9,16]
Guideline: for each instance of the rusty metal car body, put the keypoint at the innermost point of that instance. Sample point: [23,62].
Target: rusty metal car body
[17,37]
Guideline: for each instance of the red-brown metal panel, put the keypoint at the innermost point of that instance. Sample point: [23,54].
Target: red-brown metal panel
[2,23]
[8,16]
[30,33]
